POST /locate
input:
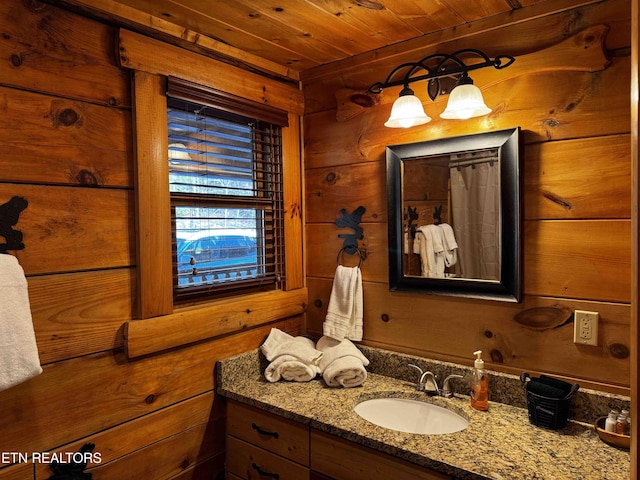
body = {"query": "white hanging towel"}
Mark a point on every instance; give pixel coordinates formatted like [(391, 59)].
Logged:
[(429, 245), (19, 359), (450, 245), (345, 310)]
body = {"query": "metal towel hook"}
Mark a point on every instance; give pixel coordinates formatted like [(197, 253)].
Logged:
[(357, 250)]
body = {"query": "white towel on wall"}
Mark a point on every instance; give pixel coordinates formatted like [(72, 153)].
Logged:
[(19, 360), (345, 310), (342, 364)]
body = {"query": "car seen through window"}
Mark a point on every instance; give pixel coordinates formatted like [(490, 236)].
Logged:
[(211, 258)]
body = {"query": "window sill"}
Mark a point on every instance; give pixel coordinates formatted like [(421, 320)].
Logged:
[(189, 325)]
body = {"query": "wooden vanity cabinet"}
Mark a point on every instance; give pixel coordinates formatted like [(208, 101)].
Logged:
[(344, 460), (261, 445)]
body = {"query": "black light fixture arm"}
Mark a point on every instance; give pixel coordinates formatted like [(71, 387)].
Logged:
[(449, 65)]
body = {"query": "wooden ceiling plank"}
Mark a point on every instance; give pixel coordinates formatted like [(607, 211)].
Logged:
[(311, 21), (239, 26), (382, 24), (471, 11), (427, 17)]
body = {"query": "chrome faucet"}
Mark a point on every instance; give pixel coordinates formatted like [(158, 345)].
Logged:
[(427, 383), (446, 390)]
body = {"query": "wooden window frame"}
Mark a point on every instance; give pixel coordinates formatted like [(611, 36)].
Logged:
[(235, 108), (165, 325)]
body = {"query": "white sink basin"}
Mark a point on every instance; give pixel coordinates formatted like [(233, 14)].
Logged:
[(411, 416)]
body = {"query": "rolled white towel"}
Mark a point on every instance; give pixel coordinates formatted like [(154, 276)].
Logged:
[(291, 369), (292, 358), (281, 343), (342, 364), (346, 371)]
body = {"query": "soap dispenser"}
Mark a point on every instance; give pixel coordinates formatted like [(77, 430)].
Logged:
[(479, 384)]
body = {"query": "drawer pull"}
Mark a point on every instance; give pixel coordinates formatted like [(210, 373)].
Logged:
[(262, 473), (264, 432)]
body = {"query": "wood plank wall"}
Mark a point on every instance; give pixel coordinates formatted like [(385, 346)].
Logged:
[(66, 145), (576, 184)]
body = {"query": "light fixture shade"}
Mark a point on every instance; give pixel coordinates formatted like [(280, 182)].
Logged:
[(465, 101), (407, 111)]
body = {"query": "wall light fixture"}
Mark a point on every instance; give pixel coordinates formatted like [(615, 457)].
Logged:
[(465, 100)]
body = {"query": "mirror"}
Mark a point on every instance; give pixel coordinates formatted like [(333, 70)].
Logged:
[(454, 213)]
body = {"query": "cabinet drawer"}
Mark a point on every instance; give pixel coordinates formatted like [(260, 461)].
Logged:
[(343, 460), (276, 434), (253, 463)]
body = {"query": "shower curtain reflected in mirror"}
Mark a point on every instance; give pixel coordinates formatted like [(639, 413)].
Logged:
[(475, 203)]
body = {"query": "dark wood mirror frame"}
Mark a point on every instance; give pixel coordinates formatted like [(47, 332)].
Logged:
[(509, 287)]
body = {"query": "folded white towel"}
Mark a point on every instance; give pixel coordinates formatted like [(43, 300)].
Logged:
[(450, 245), (19, 359), (291, 369), (342, 364), (281, 343), (292, 358), (345, 310)]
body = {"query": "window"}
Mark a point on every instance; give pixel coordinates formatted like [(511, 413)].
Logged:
[(225, 181)]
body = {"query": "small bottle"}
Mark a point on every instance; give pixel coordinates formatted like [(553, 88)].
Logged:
[(479, 384), (621, 422), (610, 422)]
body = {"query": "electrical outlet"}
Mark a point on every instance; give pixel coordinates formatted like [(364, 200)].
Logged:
[(585, 327)]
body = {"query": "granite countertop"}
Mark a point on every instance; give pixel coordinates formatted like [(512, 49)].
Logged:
[(500, 444)]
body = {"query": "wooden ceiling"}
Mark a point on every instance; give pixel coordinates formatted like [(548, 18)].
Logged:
[(303, 34)]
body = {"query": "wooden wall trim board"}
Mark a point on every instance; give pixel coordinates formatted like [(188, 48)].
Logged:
[(293, 217), (189, 325), (634, 93), (153, 203), (172, 33), (133, 53)]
